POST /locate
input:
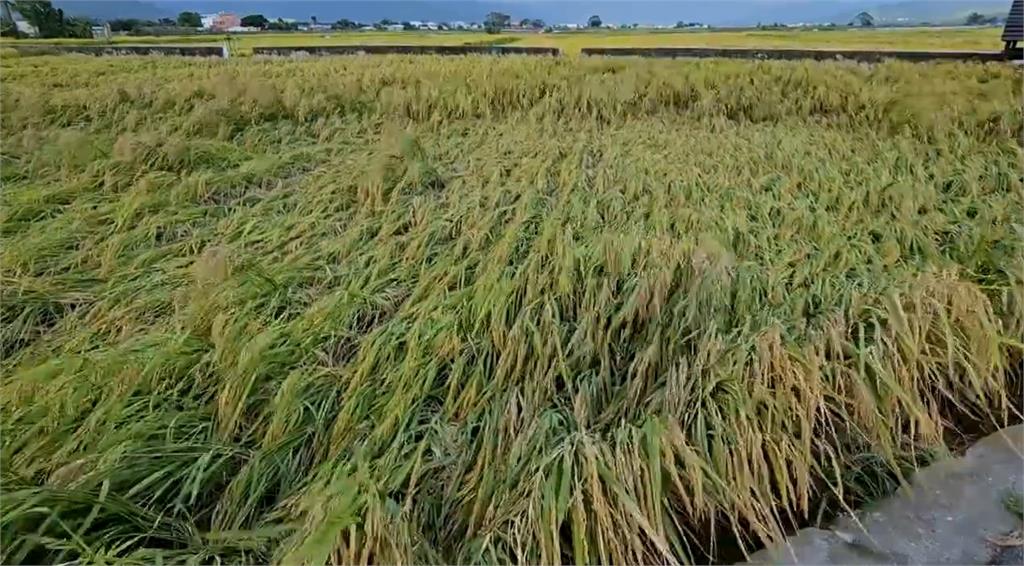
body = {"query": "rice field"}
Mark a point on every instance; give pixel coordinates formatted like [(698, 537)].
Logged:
[(924, 39), (491, 310)]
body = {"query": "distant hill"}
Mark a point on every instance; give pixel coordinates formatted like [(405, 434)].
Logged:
[(719, 13)]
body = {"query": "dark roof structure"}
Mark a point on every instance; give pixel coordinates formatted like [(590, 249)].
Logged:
[(1014, 30)]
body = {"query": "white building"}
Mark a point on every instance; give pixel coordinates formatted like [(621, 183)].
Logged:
[(100, 32), (26, 28)]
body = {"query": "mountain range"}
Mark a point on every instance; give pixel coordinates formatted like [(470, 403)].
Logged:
[(717, 13)]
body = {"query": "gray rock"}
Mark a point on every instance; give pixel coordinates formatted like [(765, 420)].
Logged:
[(1008, 555), (944, 517)]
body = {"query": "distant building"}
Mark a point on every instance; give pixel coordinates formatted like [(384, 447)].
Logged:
[(221, 21), (101, 32), (423, 25), (25, 28), (394, 27)]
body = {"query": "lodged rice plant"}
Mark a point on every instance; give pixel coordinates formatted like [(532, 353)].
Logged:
[(480, 310)]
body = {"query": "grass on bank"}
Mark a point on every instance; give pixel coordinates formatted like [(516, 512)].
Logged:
[(490, 310)]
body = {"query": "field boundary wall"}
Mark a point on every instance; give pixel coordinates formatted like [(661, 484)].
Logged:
[(115, 50)]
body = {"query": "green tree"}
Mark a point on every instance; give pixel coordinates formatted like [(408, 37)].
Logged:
[(976, 19), (496, 21), (190, 20), (281, 25), (537, 24), (7, 27), (864, 20), (125, 25), (594, 21), (345, 23), (255, 21), (49, 21), (80, 28)]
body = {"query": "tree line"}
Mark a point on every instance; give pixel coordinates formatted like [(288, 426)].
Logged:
[(495, 22), (49, 21)]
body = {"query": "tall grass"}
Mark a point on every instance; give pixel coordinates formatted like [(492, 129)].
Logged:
[(421, 310)]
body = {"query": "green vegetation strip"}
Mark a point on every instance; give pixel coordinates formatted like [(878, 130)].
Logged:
[(866, 56), (482, 310)]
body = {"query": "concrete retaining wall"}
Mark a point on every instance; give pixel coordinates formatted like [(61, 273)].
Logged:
[(865, 56), (115, 50), (793, 54), (949, 514), (405, 50)]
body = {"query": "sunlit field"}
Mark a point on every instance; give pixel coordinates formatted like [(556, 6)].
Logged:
[(491, 310), (981, 39)]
